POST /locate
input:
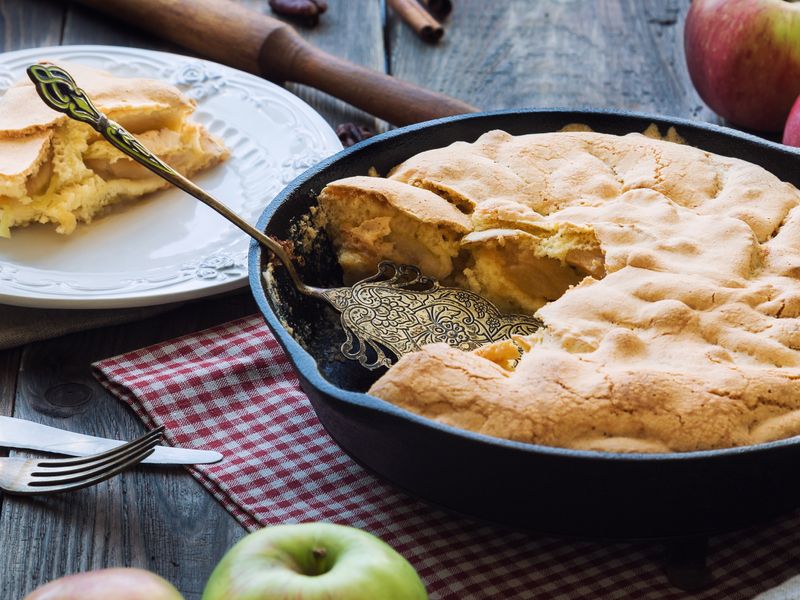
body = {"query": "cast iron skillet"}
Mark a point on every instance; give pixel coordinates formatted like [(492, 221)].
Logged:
[(525, 486)]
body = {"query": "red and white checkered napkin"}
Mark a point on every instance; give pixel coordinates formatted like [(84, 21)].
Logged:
[(232, 389)]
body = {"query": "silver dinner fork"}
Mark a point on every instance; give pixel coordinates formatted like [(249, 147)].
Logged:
[(28, 476)]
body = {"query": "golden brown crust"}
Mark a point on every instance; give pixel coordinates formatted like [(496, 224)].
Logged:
[(422, 205), (22, 112), (19, 158), (690, 337)]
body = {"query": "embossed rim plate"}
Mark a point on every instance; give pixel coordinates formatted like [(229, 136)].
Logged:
[(168, 247)]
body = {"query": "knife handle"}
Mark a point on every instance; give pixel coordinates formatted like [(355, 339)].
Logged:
[(229, 33)]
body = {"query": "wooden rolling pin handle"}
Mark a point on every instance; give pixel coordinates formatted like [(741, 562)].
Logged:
[(229, 33), (394, 100)]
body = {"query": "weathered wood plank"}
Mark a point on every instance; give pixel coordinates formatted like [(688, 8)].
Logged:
[(156, 518), (83, 26), (9, 367), (27, 24), (23, 24), (350, 29), (624, 54)]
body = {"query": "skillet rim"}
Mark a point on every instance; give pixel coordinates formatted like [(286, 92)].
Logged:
[(307, 367)]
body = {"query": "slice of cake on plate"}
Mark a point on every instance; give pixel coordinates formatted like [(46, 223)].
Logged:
[(56, 170)]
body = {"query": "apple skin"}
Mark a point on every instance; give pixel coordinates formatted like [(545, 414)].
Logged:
[(313, 561), (120, 584), (744, 59), (791, 132)]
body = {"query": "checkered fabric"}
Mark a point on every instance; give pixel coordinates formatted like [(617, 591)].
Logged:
[(232, 389)]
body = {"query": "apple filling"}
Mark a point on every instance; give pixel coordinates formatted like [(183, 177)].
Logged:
[(519, 273), (518, 262), (75, 180), (371, 219)]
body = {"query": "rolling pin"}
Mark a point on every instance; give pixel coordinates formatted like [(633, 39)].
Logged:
[(231, 34)]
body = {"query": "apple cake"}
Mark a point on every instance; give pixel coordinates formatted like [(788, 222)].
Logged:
[(56, 170), (667, 278)]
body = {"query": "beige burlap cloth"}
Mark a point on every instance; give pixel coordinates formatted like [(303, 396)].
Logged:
[(23, 325)]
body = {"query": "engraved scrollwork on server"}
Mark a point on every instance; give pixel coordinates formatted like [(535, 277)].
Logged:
[(407, 311)]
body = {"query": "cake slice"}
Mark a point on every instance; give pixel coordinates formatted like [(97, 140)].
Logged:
[(371, 219), (56, 170), (520, 260)]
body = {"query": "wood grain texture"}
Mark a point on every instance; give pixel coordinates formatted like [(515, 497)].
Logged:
[(614, 53), (624, 54), (9, 367), (84, 26), (23, 23), (31, 23), (227, 32), (157, 518), (352, 30)]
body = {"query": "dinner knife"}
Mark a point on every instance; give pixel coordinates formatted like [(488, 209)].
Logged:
[(19, 433)]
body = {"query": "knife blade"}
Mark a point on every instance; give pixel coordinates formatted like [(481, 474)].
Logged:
[(19, 433)]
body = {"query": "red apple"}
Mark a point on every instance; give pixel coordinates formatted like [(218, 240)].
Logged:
[(744, 58), (791, 131), (120, 584)]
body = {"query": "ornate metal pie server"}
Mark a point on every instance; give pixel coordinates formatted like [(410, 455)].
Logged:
[(392, 313)]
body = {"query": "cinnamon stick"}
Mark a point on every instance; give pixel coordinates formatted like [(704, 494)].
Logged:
[(420, 20)]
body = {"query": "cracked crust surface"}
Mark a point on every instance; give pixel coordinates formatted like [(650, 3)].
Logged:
[(678, 325)]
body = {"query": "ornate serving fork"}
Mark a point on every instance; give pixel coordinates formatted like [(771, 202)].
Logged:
[(392, 313), (28, 476)]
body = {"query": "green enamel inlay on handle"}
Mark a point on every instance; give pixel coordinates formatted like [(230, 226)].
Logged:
[(59, 91)]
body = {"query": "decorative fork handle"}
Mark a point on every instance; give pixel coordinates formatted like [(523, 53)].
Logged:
[(58, 90)]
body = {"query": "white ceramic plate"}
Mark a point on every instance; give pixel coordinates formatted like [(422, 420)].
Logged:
[(168, 246)]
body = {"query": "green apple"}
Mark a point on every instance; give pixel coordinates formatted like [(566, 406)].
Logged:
[(120, 584), (313, 561)]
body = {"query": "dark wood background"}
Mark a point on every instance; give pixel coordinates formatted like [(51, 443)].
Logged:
[(510, 53)]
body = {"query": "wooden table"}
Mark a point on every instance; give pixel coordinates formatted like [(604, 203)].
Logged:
[(515, 53)]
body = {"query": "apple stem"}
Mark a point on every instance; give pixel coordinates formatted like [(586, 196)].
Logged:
[(318, 566)]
